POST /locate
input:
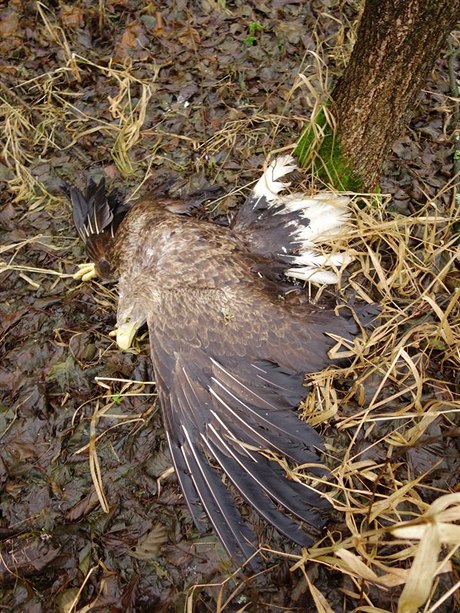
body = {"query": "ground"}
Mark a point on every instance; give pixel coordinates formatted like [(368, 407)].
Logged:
[(91, 517)]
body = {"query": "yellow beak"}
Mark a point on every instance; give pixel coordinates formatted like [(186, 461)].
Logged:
[(125, 335)]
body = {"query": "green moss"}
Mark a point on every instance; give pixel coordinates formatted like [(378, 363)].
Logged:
[(319, 149)]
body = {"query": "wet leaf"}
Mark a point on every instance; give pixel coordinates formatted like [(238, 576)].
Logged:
[(72, 16), (9, 21), (150, 545)]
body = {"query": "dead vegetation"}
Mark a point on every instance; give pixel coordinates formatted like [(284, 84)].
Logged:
[(390, 419)]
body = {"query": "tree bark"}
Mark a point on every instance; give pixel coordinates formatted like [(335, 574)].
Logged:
[(398, 42)]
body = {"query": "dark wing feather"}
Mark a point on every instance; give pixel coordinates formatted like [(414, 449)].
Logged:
[(263, 415), (200, 482), (268, 229), (253, 485), (91, 211), (221, 412)]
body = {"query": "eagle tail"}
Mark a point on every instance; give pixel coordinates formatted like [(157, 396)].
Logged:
[(291, 229)]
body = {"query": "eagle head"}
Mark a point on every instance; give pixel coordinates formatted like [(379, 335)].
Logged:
[(131, 315)]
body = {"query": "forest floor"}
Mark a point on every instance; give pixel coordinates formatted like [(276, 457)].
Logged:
[(91, 517)]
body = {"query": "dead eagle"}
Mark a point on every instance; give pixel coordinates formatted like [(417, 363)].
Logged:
[(229, 348)]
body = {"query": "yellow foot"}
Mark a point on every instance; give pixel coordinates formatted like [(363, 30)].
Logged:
[(86, 272)]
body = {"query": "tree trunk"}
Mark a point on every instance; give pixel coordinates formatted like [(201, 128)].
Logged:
[(398, 42)]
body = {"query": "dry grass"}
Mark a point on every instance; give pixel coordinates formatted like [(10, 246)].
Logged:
[(399, 386), (400, 382)]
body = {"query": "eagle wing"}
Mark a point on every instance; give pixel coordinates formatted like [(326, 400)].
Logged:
[(228, 387), (96, 215)]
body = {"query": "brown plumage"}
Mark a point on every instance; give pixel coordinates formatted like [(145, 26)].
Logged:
[(230, 347)]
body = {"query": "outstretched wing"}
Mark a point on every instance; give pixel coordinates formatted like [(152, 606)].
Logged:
[(228, 398)]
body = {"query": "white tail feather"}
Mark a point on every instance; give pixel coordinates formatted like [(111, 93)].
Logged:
[(311, 266), (317, 276), (326, 218), (320, 217), (268, 185)]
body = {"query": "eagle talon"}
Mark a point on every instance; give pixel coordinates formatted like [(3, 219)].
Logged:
[(86, 272)]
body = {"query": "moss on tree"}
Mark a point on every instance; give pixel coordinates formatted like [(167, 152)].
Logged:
[(320, 150)]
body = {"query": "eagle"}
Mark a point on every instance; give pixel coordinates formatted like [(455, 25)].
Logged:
[(232, 337)]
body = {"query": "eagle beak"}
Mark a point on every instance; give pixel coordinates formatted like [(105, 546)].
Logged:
[(125, 334)]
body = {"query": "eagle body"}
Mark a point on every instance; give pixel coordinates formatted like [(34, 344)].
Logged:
[(230, 341)]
